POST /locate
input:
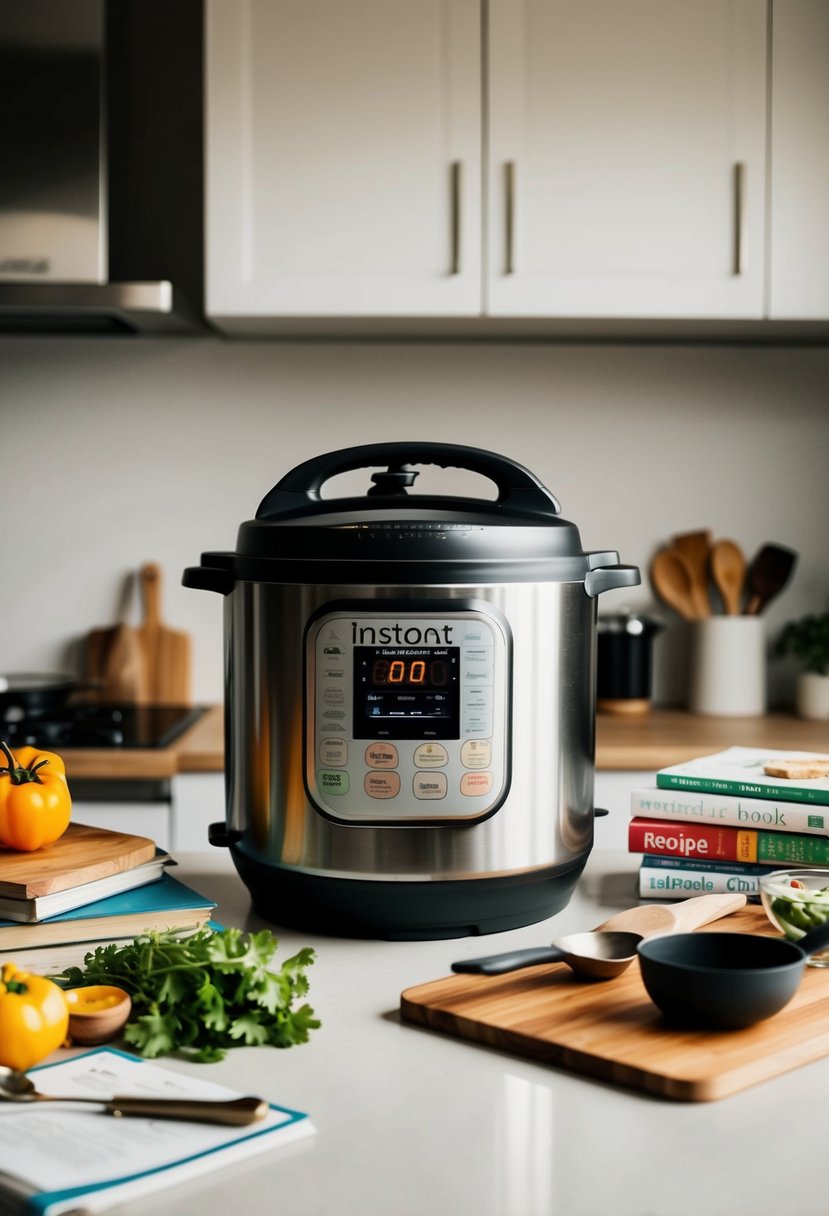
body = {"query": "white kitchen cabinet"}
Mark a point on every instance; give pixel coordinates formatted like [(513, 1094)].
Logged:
[(343, 158), (152, 819), (626, 169), (198, 799), (799, 230)]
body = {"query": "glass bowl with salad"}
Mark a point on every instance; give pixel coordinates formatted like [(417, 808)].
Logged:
[(796, 901)]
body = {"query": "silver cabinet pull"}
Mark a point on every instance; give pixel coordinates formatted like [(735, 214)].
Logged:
[(509, 217), (455, 191), (739, 199)]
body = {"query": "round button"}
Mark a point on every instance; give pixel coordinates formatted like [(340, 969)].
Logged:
[(429, 785), (381, 755), (475, 784), (476, 753), (382, 785), (431, 755), (335, 783)]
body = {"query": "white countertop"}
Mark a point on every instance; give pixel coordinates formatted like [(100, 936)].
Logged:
[(413, 1123)]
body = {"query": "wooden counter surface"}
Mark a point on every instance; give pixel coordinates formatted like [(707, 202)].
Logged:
[(644, 741)]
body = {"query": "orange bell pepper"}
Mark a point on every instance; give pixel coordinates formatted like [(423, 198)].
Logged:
[(34, 1017), (35, 803)]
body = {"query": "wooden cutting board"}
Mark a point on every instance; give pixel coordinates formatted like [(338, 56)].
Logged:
[(81, 855), (114, 666), (167, 652), (612, 1030)]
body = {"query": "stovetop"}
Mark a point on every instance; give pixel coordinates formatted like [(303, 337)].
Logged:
[(101, 726)]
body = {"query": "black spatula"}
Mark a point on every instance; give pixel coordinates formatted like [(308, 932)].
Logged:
[(767, 575)]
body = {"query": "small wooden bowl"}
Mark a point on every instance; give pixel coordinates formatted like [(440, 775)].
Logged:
[(96, 1013)]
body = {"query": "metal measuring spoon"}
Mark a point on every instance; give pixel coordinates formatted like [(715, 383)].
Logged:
[(599, 955), (17, 1087)]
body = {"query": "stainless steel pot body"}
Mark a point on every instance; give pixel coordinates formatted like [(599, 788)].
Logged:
[(545, 818)]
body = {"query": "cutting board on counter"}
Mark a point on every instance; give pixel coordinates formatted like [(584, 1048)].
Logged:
[(114, 666), (82, 854), (612, 1031), (167, 658)]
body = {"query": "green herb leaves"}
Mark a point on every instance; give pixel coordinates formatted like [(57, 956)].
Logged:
[(204, 992)]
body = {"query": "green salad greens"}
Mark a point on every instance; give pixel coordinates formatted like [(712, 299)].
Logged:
[(203, 992), (797, 909)]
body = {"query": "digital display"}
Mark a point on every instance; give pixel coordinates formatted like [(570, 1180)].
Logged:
[(406, 692)]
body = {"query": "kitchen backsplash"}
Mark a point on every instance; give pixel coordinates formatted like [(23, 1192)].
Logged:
[(117, 451)]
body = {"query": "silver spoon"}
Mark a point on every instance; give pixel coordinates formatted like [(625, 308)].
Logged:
[(17, 1087), (598, 955)]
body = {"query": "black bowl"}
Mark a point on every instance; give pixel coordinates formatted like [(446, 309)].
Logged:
[(722, 980)]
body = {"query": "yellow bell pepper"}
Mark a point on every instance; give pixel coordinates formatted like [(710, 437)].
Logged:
[(34, 1018), (35, 804)]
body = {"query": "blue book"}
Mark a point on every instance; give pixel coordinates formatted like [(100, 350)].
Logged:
[(165, 904)]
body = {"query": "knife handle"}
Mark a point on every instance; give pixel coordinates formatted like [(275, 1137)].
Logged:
[(512, 960), (237, 1111)]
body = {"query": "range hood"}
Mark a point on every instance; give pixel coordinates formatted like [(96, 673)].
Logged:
[(100, 142)]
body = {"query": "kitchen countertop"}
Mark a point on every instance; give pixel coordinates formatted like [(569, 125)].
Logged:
[(637, 742), (411, 1121)]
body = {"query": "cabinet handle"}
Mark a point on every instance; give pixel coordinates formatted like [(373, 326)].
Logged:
[(739, 199), (455, 189), (509, 217)]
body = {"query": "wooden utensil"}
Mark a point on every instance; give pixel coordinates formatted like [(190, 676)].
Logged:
[(695, 547), (673, 582), (614, 1031), (767, 576), (610, 948), (167, 652), (728, 570)]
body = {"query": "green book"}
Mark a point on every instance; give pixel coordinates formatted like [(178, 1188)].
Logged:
[(740, 770)]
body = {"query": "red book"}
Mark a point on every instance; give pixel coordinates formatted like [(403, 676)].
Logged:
[(669, 838)]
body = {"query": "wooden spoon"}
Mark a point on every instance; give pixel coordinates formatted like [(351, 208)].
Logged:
[(695, 547), (768, 575), (682, 917), (728, 570), (673, 582)]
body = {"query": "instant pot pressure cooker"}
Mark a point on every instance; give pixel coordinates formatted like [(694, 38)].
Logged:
[(410, 698)]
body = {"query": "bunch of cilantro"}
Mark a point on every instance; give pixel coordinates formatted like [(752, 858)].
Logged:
[(203, 992)]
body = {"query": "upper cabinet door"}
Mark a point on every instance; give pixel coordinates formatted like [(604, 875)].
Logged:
[(626, 170), (800, 161), (343, 158)]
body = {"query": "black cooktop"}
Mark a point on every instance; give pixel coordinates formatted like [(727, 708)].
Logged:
[(104, 726)]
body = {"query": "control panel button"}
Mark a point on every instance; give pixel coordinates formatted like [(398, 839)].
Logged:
[(475, 784), (382, 785), (429, 785), (382, 755), (333, 696), (476, 753), (335, 783), (334, 753), (431, 755)]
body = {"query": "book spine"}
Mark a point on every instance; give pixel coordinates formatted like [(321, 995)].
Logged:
[(656, 882), (731, 810), (667, 838), (702, 866), (716, 785)]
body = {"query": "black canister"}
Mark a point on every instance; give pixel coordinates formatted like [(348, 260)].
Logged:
[(624, 663)]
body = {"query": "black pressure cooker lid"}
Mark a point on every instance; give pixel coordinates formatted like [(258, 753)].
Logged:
[(391, 535)]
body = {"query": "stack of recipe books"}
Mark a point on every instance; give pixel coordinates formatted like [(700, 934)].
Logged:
[(91, 885), (715, 824)]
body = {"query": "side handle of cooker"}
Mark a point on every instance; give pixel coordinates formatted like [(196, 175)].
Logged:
[(516, 484), (209, 577), (608, 578)]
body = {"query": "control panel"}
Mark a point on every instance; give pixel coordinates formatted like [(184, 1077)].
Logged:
[(407, 715)]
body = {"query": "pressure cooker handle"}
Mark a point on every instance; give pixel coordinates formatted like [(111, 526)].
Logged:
[(518, 488)]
